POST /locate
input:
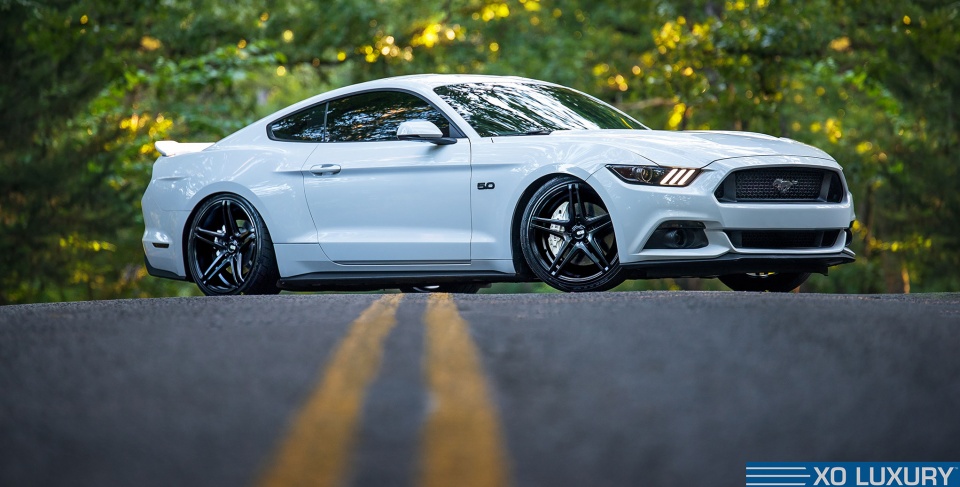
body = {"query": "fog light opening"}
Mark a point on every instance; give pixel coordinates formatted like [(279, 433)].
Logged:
[(676, 239), (678, 235)]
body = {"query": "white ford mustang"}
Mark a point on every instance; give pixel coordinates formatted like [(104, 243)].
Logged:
[(443, 182)]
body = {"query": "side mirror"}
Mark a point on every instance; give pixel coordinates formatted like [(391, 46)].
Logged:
[(423, 131)]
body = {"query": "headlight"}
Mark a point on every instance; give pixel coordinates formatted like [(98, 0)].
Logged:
[(655, 175)]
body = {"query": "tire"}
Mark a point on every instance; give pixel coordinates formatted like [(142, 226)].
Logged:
[(567, 239), (229, 250), (443, 288), (777, 282)]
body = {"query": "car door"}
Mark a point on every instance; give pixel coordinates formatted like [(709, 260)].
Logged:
[(379, 200)]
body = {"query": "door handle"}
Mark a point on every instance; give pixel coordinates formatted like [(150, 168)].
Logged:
[(325, 169)]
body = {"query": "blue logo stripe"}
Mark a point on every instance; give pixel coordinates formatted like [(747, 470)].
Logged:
[(777, 475)]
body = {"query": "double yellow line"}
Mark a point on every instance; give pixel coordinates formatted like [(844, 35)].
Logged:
[(461, 440)]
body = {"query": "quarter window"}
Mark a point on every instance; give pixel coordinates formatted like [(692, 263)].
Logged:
[(305, 125)]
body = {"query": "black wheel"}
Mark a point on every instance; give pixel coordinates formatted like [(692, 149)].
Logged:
[(777, 282), (229, 249), (443, 288), (566, 236)]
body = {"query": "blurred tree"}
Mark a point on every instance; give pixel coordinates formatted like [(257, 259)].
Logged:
[(89, 87)]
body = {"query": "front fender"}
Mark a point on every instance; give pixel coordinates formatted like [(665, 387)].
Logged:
[(513, 164)]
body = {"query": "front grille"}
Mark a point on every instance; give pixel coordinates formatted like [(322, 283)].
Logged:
[(783, 239), (762, 184), (780, 184)]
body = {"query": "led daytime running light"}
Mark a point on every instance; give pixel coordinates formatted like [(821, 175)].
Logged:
[(655, 175)]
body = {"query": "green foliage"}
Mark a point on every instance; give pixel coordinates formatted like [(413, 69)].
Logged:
[(89, 87)]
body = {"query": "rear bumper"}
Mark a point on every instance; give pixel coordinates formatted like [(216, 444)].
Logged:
[(738, 264), (162, 237), (153, 271)]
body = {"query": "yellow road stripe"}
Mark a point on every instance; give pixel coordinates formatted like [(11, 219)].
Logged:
[(462, 442), (320, 442)]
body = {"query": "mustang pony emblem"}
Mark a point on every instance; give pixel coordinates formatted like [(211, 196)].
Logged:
[(783, 185)]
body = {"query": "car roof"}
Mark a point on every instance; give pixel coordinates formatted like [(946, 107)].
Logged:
[(435, 80), (418, 83)]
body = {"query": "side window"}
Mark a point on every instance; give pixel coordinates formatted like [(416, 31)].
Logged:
[(305, 125), (376, 116)]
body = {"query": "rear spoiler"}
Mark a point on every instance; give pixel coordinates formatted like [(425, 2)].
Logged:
[(173, 148)]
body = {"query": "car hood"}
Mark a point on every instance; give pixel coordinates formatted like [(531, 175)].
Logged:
[(694, 149)]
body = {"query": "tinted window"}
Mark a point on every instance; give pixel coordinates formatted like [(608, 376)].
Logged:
[(376, 116), (306, 125), (494, 109)]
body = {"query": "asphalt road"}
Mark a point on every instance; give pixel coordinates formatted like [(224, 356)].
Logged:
[(652, 388)]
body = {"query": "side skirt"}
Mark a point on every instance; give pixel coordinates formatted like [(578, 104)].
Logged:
[(372, 281)]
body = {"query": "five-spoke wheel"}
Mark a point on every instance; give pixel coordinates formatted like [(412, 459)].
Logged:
[(229, 249), (567, 238)]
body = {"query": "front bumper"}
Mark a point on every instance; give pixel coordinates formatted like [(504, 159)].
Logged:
[(638, 210)]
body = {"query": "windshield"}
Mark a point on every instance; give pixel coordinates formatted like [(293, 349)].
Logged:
[(494, 109)]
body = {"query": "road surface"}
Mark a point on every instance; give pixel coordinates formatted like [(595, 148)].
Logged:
[(598, 389)]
